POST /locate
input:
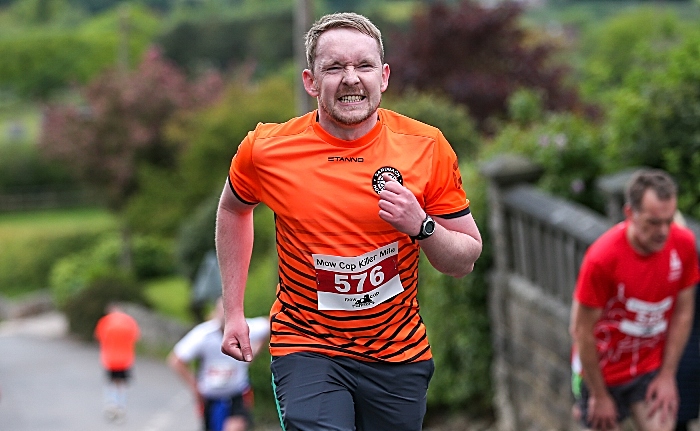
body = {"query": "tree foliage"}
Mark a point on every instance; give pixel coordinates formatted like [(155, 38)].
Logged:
[(478, 56), (656, 121), (40, 60), (208, 139), (456, 317), (41, 12), (452, 119), (636, 40), (40, 63), (264, 40), (120, 125), (568, 147)]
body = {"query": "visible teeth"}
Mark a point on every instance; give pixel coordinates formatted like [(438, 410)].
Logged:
[(349, 99)]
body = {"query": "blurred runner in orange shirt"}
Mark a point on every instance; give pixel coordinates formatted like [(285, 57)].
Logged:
[(117, 333)]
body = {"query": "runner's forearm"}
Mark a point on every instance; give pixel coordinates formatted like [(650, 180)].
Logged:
[(452, 253), (679, 331), (234, 245), (455, 246)]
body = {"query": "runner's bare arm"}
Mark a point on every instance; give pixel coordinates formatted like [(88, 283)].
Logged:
[(602, 412), (455, 246), (679, 330), (456, 243), (234, 245), (184, 371), (663, 392)]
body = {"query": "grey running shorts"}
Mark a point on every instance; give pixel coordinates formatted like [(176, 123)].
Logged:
[(624, 395), (320, 392)]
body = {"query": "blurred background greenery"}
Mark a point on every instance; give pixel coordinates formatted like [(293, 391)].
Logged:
[(118, 120)]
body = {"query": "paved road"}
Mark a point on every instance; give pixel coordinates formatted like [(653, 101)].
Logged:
[(50, 382)]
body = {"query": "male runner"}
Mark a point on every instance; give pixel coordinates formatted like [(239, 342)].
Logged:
[(633, 309), (220, 384), (357, 192), (117, 334)]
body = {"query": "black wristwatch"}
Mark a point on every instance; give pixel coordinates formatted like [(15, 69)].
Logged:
[(427, 228)]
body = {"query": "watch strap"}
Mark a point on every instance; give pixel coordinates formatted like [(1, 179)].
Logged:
[(422, 234)]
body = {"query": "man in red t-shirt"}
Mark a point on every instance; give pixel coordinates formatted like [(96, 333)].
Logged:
[(117, 333), (633, 309)]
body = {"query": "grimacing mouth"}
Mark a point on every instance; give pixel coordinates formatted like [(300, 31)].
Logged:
[(351, 98)]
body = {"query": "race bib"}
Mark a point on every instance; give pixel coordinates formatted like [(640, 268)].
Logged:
[(649, 317), (218, 375), (359, 282)]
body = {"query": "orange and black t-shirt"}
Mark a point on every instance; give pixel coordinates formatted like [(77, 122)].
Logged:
[(347, 279)]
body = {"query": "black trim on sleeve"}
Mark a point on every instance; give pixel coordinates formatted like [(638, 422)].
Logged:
[(455, 215), (228, 179)]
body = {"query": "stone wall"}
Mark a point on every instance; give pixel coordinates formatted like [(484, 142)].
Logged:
[(539, 241)]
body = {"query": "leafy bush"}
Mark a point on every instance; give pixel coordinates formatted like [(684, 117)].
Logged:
[(660, 127), (479, 55), (84, 309), (452, 119), (210, 138), (158, 207), (22, 168), (635, 39), (121, 124), (196, 237), (456, 316), (72, 274), (26, 260), (569, 148), (525, 107), (151, 257)]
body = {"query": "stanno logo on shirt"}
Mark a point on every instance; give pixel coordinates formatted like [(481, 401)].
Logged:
[(346, 159), (378, 182)]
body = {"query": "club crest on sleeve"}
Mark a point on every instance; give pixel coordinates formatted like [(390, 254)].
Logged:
[(378, 179)]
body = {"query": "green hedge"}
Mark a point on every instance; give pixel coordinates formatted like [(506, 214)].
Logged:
[(455, 312), (33, 241), (85, 309), (151, 257), (22, 168)]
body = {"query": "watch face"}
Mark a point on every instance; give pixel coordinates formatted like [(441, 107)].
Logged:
[(429, 227)]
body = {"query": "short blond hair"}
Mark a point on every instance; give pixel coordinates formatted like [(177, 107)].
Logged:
[(340, 20)]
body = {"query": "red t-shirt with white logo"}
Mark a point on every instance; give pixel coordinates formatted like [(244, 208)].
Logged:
[(637, 294)]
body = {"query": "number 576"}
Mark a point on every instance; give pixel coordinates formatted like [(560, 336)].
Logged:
[(342, 281)]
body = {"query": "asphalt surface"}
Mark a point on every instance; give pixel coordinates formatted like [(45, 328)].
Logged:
[(51, 382)]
